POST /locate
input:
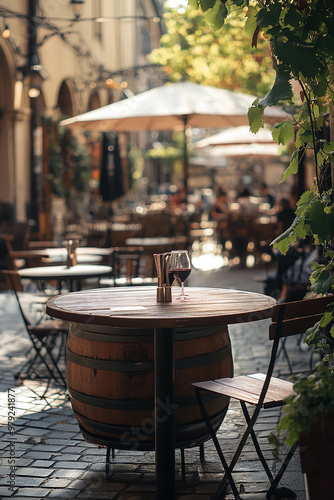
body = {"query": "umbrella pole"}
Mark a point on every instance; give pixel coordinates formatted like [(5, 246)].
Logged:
[(185, 156), (185, 177)]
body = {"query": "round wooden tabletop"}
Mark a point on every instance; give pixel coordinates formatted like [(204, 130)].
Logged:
[(136, 307)]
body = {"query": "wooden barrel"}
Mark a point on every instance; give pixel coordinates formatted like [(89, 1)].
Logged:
[(110, 378)]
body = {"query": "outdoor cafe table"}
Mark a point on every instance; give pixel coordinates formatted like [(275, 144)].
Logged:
[(137, 308), (61, 253), (72, 274)]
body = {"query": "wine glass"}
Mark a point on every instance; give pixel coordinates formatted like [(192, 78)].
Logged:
[(180, 268)]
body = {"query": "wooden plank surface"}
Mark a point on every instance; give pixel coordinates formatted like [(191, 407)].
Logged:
[(136, 307)]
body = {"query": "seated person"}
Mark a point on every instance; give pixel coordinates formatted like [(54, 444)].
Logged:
[(219, 212), (266, 195)]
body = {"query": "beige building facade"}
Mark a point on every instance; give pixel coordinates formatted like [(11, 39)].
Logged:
[(52, 62)]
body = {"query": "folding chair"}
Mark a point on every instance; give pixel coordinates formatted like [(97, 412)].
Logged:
[(47, 336), (126, 268), (262, 390)]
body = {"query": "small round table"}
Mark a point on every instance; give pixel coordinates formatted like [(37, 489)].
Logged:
[(135, 308), (72, 274)]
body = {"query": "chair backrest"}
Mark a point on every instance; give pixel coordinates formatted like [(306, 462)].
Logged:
[(13, 280), (298, 316), (291, 318), (6, 249), (126, 259)]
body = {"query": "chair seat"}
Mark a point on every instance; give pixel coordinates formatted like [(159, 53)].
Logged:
[(248, 388), (49, 326)]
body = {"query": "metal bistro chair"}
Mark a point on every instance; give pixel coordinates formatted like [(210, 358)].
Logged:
[(262, 390), (47, 336)]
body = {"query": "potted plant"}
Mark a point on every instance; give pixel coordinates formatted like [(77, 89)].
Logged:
[(301, 38)]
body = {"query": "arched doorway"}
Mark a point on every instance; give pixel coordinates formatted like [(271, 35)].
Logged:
[(65, 101), (94, 101), (7, 115)]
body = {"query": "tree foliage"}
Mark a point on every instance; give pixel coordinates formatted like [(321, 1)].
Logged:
[(190, 50)]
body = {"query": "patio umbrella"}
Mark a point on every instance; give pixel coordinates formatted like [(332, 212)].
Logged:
[(237, 135), (171, 107), (264, 150)]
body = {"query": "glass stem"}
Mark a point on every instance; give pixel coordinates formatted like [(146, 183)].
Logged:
[(182, 289)]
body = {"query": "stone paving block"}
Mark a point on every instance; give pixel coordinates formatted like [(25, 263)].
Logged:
[(6, 493), (98, 481), (33, 492), (56, 483), (33, 431), (7, 454), (19, 462), (17, 497), (40, 424), (79, 484), (64, 428), (34, 471), (98, 466), (91, 495), (129, 477), (70, 465), (61, 442), (70, 457), (70, 473), (24, 481), (58, 494), (38, 455), (42, 463), (96, 450), (48, 448)]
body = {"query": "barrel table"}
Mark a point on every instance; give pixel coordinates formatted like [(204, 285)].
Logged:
[(131, 360)]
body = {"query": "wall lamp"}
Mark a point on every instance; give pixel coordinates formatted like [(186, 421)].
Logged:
[(36, 74), (77, 6)]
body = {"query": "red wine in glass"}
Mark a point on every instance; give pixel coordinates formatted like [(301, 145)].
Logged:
[(181, 274), (180, 268)]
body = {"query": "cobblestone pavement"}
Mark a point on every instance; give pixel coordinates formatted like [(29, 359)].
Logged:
[(48, 458)]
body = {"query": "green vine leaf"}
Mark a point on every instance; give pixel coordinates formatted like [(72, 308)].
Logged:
[(298, 229), (320, 87), (283, 132), (321, 223), (292, 17), (255, 116), (328, 147), (281, 90), (215, 13), (216, 17), (293, 167), (207, 4), (269, 17), (194, 4), (326, 319), (304, 202), (303, 137), (321, 282), (301, 57), (251, 22)]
